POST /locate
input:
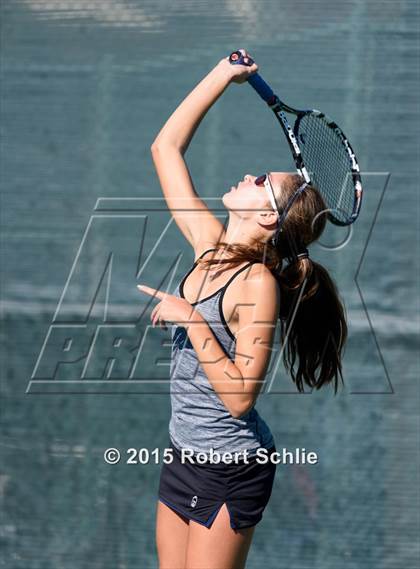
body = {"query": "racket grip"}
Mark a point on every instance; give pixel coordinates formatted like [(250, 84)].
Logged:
[(262, 88), (256, 81)]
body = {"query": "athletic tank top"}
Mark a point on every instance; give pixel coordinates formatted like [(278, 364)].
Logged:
[(199, 419)]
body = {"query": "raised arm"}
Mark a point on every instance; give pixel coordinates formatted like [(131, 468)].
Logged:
[(191, 214)]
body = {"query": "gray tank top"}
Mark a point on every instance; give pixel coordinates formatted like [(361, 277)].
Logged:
[(199, 420)]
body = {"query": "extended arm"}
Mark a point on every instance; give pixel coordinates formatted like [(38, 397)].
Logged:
[(191, 214)]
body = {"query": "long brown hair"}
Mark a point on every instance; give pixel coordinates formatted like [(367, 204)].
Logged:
[(312, 315)]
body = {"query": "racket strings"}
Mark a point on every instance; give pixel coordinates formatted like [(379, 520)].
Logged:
[(328, 163)]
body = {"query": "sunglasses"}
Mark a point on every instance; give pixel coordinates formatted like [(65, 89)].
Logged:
[(264, 180)]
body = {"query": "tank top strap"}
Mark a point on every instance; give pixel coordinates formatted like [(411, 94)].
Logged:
[(187, 274), (202, 255), (232, 277), (221, 297)]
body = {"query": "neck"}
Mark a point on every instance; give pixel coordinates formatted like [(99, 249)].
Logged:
[(238, 231)]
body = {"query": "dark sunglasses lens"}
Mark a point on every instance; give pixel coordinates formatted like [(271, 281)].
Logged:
[(260, 180)]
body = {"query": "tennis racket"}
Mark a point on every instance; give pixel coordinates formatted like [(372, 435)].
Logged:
[(321, 151)]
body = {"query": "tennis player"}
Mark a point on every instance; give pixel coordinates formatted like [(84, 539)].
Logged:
[(223, 316)]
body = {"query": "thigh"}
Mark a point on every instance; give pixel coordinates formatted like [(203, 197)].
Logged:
[(171, 537), (219, 546)]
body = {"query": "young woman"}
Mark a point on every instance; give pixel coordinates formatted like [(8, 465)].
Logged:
[(223, 317)]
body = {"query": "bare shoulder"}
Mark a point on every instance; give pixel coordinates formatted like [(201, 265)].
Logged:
[(261, 283), (260, 275)]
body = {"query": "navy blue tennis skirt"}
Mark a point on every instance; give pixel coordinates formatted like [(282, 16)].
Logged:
[(198, 491)]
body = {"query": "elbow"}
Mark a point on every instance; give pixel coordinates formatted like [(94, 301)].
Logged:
[(240, 410), (159, 146), (154, 148)]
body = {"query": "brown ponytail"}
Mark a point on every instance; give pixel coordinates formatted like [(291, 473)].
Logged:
[(313, 325)]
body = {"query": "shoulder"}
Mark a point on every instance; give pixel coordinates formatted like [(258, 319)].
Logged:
[(261, 276), (259, 297), (261, 283)]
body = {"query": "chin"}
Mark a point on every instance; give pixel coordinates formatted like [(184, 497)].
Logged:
[(230, 192), (226, 198)]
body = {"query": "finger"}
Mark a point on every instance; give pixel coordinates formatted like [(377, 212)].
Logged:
[(152, 291), (155, 315), (160, 322), (152, 314), (246, 55)]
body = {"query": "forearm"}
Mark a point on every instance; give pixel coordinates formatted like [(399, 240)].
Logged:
[(222, 373), (182, 124)]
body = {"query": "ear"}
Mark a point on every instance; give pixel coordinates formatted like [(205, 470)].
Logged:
[(267, 219)]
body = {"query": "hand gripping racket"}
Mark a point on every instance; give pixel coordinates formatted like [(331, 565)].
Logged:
[(320, 149)]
